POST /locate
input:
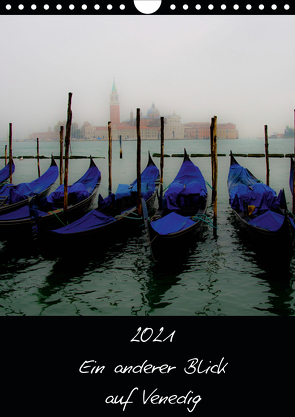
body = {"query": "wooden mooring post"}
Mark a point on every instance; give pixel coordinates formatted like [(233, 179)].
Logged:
[(162, 162), (121, 154), (38, 160), (214, 165), (266, 154), (5, 154), (293, 195), (110, 156), (67, 147), (139, 206), (61, 144), (10, 153)]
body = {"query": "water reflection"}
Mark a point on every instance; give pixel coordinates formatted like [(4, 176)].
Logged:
[(274, 272)]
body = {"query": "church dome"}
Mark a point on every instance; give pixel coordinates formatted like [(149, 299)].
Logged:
[(153, 112)]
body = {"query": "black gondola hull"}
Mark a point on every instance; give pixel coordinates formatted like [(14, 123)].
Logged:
[(277, 242), (4, 209), (265, 241), (96, 239), (163, 247), (22, 229)]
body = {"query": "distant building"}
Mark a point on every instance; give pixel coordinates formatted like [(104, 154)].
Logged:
[(114, 106), (44, 136), (202, 131), (150, 126)]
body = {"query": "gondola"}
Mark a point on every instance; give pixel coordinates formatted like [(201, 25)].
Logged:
[(49, 211), (13, 197), (181, 213), (260, 212), (114, 216), (4, 173)]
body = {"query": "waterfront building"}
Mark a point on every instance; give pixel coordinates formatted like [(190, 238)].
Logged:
[(150, 126)]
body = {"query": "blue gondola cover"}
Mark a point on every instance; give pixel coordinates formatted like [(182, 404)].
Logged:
[(188, 182), (4, 172), (148, 181), (77, 192), (269, 220), (16, 193), (171, 223), (91, 220), (246, 190)]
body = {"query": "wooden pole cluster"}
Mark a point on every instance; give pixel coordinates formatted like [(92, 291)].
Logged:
[(121, 155), (67, 146), (266, 154), (61, 140), (293, 196), (110, 156), (10, 153), (162, 161), (139, 207), (38, 161), (214, 166)]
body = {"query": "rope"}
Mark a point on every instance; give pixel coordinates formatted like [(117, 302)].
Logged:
[(105, 188), (127, 213), (206, 220), (208, 185), (52, 212)]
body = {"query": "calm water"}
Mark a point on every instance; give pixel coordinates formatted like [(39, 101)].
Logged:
[(221, 276)]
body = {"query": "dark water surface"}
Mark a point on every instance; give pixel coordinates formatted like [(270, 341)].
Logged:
[(217, 276)]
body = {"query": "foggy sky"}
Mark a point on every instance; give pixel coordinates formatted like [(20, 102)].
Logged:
[(239, 68)]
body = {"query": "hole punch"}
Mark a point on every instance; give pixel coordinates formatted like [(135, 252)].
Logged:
[(147, 6)]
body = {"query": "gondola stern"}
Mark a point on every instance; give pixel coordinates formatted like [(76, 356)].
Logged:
[(233, 161), (186, 157), (150, 160), (146, 230), (53, 162)]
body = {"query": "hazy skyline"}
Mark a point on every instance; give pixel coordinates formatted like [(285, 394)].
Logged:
[(239, 68)]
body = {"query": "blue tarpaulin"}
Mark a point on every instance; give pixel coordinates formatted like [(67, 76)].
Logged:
[(90, 221), (187, 191), (16, 193), (40, 207), (171, 223), (269, 220), (19, 214), (4, 172), (188, 182), (95, 219), (77, 192), (246, 190), (148, 181)]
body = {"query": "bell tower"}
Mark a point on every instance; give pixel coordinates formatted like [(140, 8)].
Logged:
[(114, 105)]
